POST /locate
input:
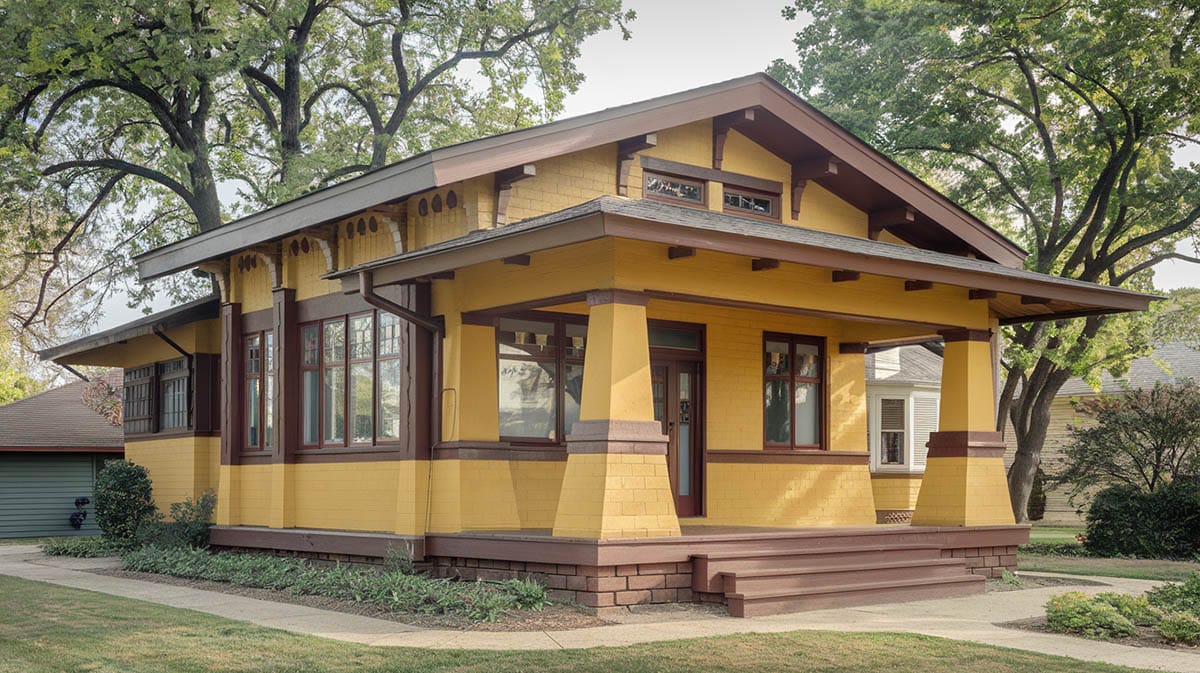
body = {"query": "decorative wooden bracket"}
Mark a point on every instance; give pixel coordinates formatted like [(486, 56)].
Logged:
[(504, 183), (1025, 299), (721, 127), (852, 347), (517, 260), (626, 150), (396, 220), (272, 256), (917, 285), (803, 171), (220, 271), (841, 276), (881, 220), (327, 239), (981, 294), (680, 251), (763, 263)]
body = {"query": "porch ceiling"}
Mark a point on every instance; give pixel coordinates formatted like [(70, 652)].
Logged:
[(1015, 295)]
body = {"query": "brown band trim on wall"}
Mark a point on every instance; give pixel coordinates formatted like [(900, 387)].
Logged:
[(713, 174), (966, 444), (317, 541), (601, 297), (168, 434), (897, 475), (852, 348), (952, 335), (788, 457), (350, 455), (479, 319), (258, 321)]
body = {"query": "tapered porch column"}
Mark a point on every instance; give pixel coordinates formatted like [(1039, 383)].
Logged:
[(964, 483), (616, 483)]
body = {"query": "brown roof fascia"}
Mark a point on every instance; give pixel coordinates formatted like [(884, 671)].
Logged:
[(62, 449)]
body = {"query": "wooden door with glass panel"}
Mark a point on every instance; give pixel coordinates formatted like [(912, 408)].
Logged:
[(676, 385)]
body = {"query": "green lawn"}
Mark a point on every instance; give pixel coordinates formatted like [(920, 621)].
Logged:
[(1054, 533), (1138, 569), (46, 628)]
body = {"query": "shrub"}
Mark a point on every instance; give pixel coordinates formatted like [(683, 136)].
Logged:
[(1126, 521), (1180, 628), (1075, 612), (123, 500), (188, 526), (1176, 597), (1136, 609), (395, 590), (1054, 549), (83, 547)]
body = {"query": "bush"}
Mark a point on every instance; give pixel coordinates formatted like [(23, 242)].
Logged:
[(1175, 597), (1180, 628), (123, 500), (1126, 521), (1136, 609), (1054, 549), (188, 526), (1075, 612), (395, 590), (83, 547)]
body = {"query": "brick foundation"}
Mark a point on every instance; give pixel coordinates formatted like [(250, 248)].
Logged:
[(594, 587), (986, 561)]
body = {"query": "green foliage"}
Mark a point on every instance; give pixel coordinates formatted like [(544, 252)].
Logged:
[(399, 560), (1077, 613), (1177, 597), (1054, 549), (1136, 609), (187, 526), (1181, 628), (1127, 521), (393, 589), (1143, 437), (123, 500), (1011, 578), (83, 547)]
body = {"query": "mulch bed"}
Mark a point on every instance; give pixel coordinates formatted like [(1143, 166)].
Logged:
[(1146, 636), (556, 617), (1040, 581)]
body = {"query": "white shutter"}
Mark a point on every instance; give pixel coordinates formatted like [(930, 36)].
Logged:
[(925, 421)]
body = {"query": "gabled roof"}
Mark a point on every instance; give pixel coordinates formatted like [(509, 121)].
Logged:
[(918, 365), (1170, 361), (786, 124), (193, 311), (57, 420), (670, 224)]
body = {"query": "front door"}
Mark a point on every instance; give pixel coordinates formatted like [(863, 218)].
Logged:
[(676, 406)]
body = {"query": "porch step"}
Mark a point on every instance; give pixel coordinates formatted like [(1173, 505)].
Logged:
[(755, 581), (708, 568), (773, 602)]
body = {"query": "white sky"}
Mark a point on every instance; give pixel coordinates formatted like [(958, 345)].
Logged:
[(678, 45)]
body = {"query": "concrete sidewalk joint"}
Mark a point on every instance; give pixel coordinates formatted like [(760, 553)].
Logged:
[(972, 618)]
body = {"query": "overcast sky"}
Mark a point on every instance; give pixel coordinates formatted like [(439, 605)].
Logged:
[(682, 44)]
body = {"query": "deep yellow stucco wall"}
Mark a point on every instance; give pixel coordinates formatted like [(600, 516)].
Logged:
[(899, 492), (765, 494), (180, 467)]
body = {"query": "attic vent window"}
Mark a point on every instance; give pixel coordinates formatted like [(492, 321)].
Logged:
[(673, 188), (753, 203)]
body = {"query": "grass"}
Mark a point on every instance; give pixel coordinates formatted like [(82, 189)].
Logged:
[(1138, 569), (1059, 534), (46, 628)]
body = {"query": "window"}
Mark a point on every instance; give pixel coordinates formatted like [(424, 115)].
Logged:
[(540, 377), (753, 203), (138, 408), (260, 391), (351, 381), (893, 419), (173, 405), (900, 422), (673, 188), (793, 390)]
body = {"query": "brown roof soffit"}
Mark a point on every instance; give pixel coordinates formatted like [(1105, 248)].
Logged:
[(606, 224), (486, 155), (63, 449), (206, 308)]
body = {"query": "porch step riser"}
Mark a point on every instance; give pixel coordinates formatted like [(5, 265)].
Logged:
[(706, 573), (758, 607), (933, 575)]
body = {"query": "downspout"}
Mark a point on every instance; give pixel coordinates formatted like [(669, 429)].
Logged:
[(436, 329)]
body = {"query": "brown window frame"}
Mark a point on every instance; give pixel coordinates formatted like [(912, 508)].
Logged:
[(266, 378), (346, 361), (560, 360), (140, 376), (655, 196), (822, 382), (166, 372), (775, 200)]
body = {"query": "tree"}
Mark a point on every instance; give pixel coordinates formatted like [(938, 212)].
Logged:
[(1145, 438), (1057, 121)]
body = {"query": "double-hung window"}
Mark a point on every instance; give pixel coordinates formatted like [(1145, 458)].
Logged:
[(793, 392), (541, 377), (158, 397), (259, 366), (173, 394)]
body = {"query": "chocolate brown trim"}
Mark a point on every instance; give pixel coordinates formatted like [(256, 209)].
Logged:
[(231, 386), (332, 305), (62, 449), (168, 434), (493, 312), (702, 173), (286, 359), (376, 545), (852, 348), (354, 454), (798, 457), (962, 334), (897, 475), (981, 294), (966, 444), (479, 319), (614, 296), (258, 321)]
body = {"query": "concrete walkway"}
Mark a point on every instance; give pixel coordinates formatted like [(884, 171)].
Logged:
[(969, 619)]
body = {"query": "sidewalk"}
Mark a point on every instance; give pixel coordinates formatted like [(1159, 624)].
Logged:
[(970, 619)]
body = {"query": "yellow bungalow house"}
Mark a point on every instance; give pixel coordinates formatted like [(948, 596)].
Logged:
[(622, 353)]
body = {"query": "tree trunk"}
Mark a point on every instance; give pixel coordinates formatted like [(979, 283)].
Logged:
[(206, 204)]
